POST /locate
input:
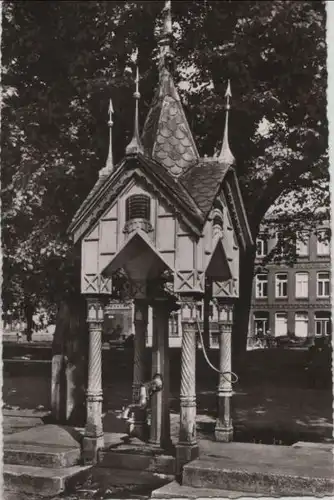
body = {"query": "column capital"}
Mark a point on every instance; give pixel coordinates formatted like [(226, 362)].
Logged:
[(95, 311), (189, 310), (224, 304)]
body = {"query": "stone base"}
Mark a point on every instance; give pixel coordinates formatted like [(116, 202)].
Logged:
[(224, 434), (176, 490), (90, 448), (185, 453), (266, 469), (39, 482)]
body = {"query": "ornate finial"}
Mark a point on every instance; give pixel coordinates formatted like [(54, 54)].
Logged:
[(110, 163), (226, 155), (135, 145), (166, 53), (168, 18)]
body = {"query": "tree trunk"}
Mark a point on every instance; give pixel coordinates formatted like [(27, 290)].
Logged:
[(29, 312), (70, 342), (242, 308)]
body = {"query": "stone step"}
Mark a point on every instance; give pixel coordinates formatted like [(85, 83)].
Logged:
[(266, 469), (38, 455), (176, 490), (161, 464), (41, 482)]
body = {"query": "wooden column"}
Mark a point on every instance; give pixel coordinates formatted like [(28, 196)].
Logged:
[(187, 447), (224, 427), (160, 418), (140, 324), (93, 438)]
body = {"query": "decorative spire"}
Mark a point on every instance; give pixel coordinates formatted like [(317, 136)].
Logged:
[(110, 162), (135, 145), (165, 41), (226, 155)]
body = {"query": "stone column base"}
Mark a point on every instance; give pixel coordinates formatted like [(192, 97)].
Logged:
[(165, 445), (224, 434), (90, 448), (185, 453)]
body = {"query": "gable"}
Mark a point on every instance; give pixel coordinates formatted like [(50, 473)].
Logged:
[(152, 177)]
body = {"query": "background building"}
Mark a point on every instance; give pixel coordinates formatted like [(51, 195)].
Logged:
[(292, 298)]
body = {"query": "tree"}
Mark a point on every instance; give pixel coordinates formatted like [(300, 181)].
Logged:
[(55, 111)]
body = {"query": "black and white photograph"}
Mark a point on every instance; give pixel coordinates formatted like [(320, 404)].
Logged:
[(166, 315)]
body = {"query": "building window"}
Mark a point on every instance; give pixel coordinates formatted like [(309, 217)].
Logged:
[(261, 286), (281, 285), (301, 285), (281, 324), (138, 206), (323, 323), (261, 324), (174, 324), (261, 246), (301, 324), (302, 244), (323, 284), (322, 243)]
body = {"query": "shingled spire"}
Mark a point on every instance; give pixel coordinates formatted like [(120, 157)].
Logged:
[(166, 135), (226, 155), (110, 162), (135, 146)]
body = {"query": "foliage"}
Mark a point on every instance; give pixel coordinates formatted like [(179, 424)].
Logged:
[(62, 61)]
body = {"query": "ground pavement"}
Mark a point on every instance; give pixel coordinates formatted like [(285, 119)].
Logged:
[(272, 404)]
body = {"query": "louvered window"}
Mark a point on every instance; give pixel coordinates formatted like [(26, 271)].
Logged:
[(138, 206)]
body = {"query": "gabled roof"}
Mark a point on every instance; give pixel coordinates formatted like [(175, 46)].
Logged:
[(152, 174), (204, 181), (166, 134)]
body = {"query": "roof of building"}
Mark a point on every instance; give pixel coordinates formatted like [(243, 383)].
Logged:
[(161, 182), (166, 159), (203, 182), (166, 136)]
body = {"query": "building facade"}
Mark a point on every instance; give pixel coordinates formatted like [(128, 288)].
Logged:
[(293, 298)]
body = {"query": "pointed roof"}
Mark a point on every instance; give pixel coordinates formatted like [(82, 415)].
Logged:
[(109, 167), (166, 160), (135, 145), (203, 182), (226, 155), (167, 137)]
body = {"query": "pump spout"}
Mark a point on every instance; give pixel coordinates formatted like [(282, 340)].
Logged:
[(146, 392)]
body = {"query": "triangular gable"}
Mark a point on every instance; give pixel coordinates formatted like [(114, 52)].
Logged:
[(138, 249), (157, 180), (218, 267)]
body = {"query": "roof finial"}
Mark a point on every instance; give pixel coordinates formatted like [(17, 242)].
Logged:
[(110, 162), (226, 155), (166, 35), (135, 145)]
